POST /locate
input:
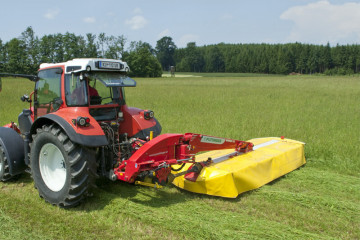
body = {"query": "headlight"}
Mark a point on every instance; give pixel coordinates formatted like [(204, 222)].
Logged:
[(148, 114), (83, 121)]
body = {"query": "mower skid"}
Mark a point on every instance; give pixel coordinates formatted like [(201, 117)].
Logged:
[(231, 174)]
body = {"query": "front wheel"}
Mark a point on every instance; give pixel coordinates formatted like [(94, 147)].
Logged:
[(63, 171)]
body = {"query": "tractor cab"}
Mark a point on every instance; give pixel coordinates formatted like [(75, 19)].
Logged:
[(92, 89), (81, 83)]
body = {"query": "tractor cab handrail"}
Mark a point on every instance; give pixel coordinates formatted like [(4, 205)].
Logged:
[(32, 78)]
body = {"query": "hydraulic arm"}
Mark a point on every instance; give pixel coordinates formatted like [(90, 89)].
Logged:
[(156, 157)]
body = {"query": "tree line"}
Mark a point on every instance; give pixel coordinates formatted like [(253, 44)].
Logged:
[(25, 53), (269, 58)]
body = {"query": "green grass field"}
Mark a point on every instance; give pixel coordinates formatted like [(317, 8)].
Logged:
[(319, 201)]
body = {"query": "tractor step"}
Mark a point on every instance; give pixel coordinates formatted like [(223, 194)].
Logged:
[(153, 185)]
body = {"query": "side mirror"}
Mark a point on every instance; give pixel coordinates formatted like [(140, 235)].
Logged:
[(25, 98)]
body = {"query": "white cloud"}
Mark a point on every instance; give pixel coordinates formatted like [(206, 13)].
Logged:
[(323, 22), (164, 33), (137, 11), (51, 13), (89, 20), (136, 22), (185, 39)]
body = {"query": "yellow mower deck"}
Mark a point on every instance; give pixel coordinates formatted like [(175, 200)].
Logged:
[(228, 177)]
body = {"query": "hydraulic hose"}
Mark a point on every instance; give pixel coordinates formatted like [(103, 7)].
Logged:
[(178, 169)]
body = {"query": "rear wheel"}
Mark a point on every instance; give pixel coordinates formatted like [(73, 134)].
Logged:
[(4, 167), (63, 171)]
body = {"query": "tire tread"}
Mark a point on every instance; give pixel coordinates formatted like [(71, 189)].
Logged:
[(82, 167)]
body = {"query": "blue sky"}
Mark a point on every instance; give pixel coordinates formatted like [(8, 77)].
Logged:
[(203, 21)]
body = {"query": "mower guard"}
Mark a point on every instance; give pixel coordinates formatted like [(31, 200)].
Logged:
[(230, 175)]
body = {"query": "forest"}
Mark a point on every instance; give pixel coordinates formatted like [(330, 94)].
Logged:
[(24, 54)]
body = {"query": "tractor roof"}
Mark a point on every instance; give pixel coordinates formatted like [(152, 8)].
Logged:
[(90, 64)]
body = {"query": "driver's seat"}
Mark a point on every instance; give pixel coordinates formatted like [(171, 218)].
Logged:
[(95, 100)]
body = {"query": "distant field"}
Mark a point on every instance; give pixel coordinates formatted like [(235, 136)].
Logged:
[(319, 201), (192, 74)]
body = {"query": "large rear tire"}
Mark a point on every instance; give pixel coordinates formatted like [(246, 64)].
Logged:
[(4, 167), (63, 171)]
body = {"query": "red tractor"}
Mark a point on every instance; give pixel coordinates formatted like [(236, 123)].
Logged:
[(78, 127)]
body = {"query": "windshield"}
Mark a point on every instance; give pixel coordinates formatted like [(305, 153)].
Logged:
[(96, 88), (112, 79)]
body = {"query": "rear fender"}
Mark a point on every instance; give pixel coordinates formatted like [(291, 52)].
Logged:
[(91, 136), (13, 146)]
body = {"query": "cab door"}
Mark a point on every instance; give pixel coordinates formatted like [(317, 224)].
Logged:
[(48, 91)]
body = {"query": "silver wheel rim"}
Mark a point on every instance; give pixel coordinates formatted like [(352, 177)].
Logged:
[(52, 167)]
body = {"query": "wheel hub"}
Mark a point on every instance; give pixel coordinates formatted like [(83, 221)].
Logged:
[(52, 167)]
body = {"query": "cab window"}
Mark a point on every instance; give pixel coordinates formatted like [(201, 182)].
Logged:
[(75, 90)]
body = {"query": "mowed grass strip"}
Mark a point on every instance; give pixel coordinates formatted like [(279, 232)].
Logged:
[(319, 201)]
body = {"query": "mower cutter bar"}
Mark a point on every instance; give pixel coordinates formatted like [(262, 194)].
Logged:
[(235, 153), (232, 173)]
